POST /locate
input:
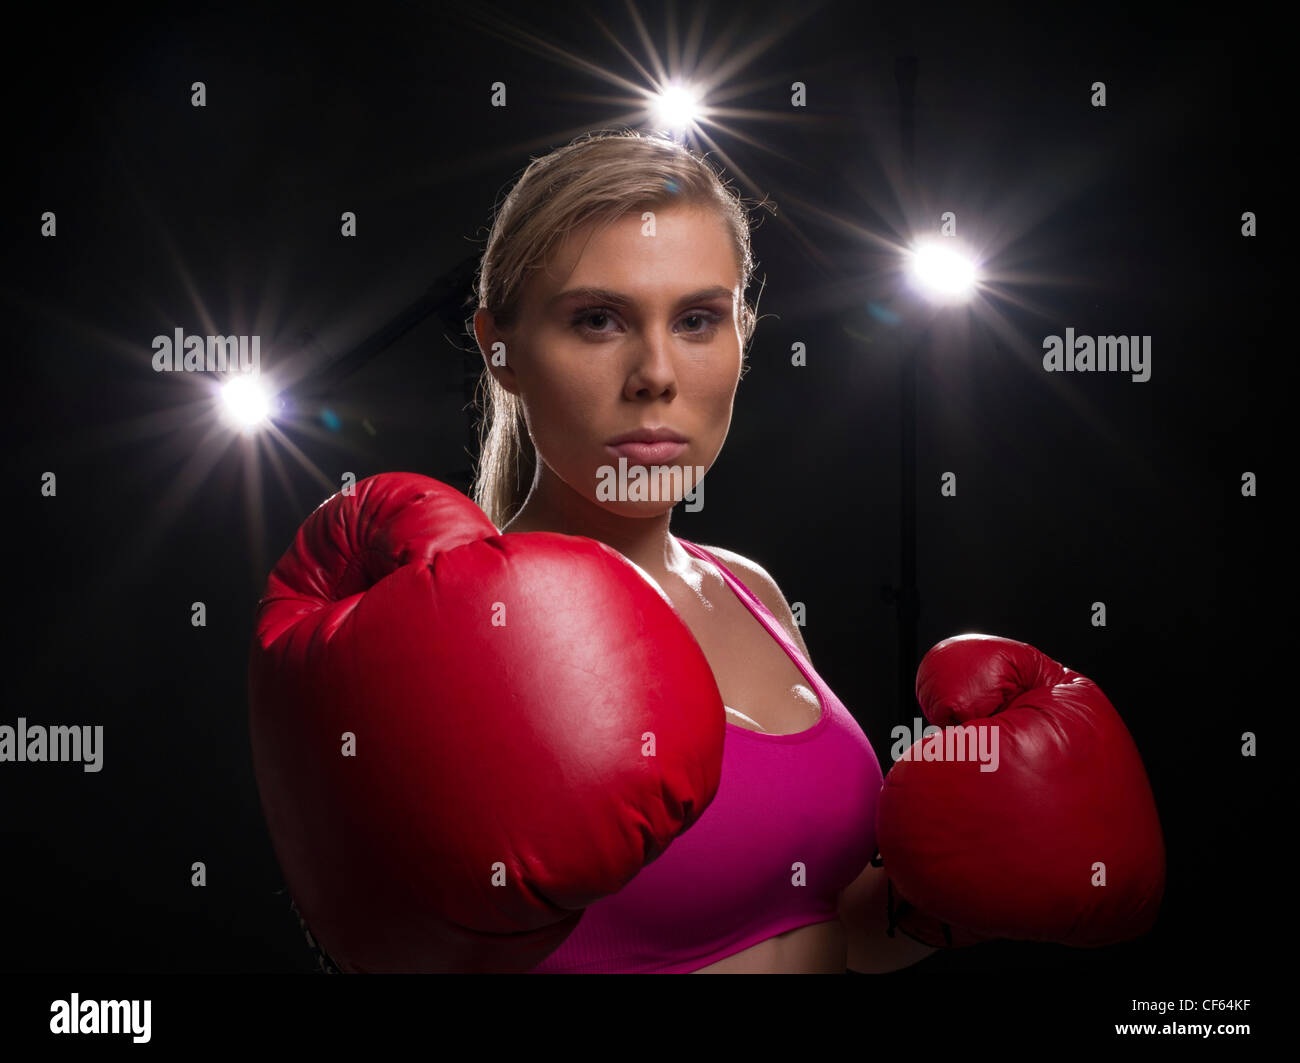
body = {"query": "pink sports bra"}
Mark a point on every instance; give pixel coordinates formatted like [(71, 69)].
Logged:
[(793, 823)]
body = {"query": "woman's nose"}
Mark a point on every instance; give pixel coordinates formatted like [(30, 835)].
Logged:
[(652, 374)]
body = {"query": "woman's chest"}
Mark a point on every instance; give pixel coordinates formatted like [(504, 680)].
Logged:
[(761, 686)]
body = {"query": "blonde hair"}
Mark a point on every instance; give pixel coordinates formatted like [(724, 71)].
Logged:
[(598, 178)]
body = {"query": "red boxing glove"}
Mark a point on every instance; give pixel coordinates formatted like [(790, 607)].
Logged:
[(1061, 842), (532, 721)]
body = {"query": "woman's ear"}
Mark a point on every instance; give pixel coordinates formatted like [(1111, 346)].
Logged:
[(493, 347)]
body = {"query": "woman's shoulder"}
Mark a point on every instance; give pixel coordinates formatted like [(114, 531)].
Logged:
[(760, 581), (744, 567)]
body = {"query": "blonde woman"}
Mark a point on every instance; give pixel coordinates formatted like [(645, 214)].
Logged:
[(629, 343), (576, 743)]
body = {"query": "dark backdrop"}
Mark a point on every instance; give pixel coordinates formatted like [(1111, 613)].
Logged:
[(1072, 488)]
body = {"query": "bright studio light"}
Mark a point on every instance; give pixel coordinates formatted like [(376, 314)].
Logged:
[(676, 107), (246, 401), (943, 272)]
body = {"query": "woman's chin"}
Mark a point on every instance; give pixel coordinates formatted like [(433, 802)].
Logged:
[(637, 510)]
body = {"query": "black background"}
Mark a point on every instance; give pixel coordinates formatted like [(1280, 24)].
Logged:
[(1072, 488)]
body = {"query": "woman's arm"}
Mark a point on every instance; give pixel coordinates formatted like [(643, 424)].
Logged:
[(863, 908)]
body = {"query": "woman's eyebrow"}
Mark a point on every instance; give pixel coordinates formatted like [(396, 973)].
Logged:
[(607, 295)]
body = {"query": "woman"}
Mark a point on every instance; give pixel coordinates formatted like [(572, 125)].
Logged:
[(613, 324)]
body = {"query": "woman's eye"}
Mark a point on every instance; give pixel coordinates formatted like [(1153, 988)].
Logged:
[(706, 319), (582, 318)]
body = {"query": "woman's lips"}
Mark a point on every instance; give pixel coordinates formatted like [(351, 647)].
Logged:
[(647, 453)]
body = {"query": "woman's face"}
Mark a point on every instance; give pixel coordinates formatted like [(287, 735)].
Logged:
[(653, 342)]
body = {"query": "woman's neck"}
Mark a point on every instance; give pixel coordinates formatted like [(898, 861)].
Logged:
[(553, 506)]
